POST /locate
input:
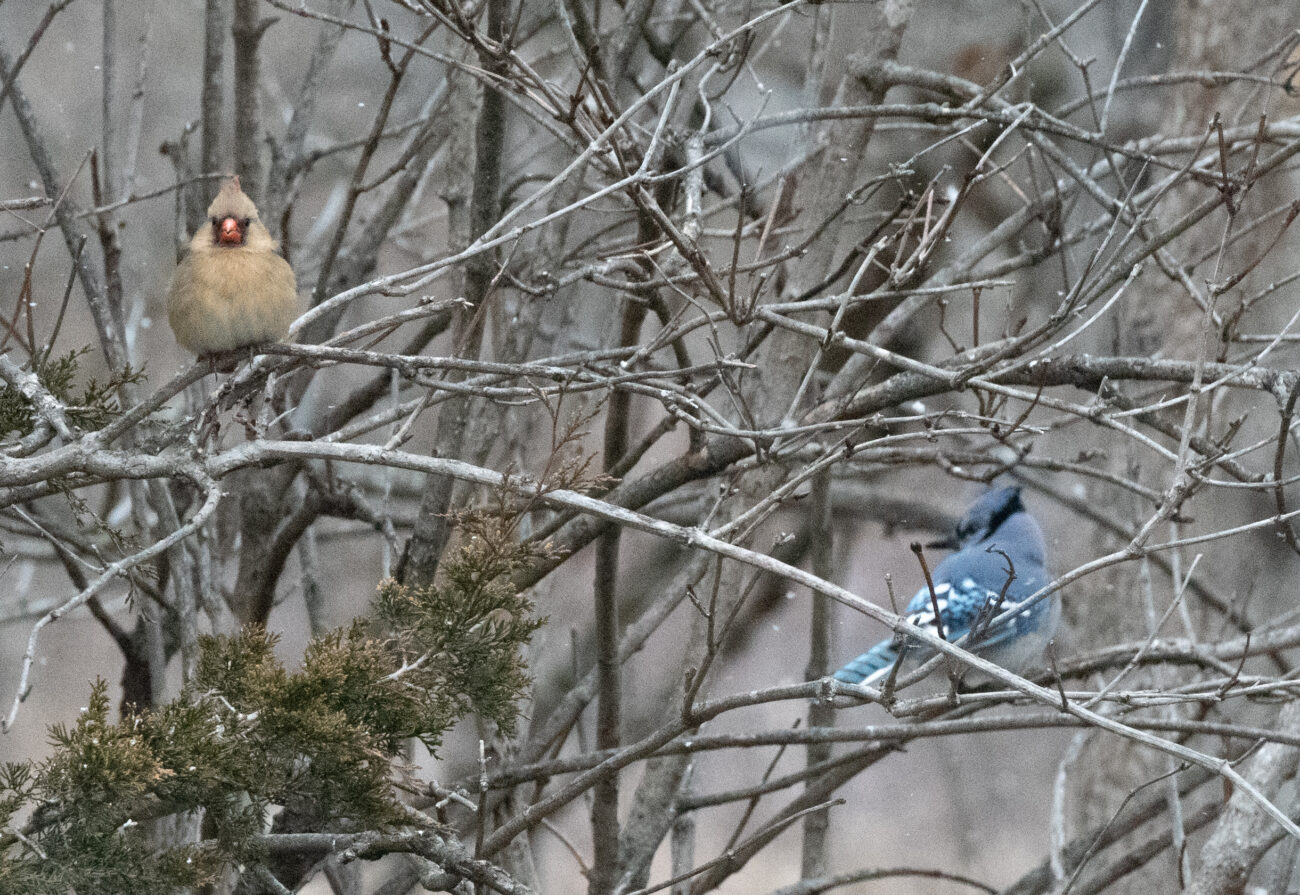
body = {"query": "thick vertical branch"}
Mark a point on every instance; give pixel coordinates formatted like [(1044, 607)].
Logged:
[(247, 31), (103, 170), (490, 138), (820, 713), (606, 865), (215, 16), (604, 806), (265, 498), (432, 529), (419, 562), (683, 852)]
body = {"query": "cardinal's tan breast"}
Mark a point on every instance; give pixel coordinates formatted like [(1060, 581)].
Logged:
[(225, 298)]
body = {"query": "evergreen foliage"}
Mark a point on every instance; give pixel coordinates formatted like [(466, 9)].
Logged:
[(92, 406), (249, 733)]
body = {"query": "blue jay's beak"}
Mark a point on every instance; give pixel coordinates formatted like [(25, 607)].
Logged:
[(947, 542)]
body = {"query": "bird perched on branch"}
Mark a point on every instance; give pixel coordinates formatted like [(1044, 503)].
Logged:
[(971, 589), (232, 289)]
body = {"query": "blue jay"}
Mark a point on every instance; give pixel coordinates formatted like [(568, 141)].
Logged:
[(967, 585)]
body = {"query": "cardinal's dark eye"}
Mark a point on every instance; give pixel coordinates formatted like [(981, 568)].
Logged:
[(243, 225), (216, 222)]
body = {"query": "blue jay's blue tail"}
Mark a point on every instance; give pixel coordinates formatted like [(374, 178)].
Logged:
[(995, 536), (879, 658)]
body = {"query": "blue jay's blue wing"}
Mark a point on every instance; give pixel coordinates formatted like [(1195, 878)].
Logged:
[(959, 605), (870, 664), (971, 588)]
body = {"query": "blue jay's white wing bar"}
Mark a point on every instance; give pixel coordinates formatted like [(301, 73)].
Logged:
[(254, 452)]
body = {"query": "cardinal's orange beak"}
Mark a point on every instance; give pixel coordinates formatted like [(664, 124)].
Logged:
[(229, 233)]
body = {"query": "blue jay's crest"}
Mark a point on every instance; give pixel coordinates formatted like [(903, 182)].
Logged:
[(973, 586)]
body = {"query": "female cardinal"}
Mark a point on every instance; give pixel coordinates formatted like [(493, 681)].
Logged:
[(232, 289)]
